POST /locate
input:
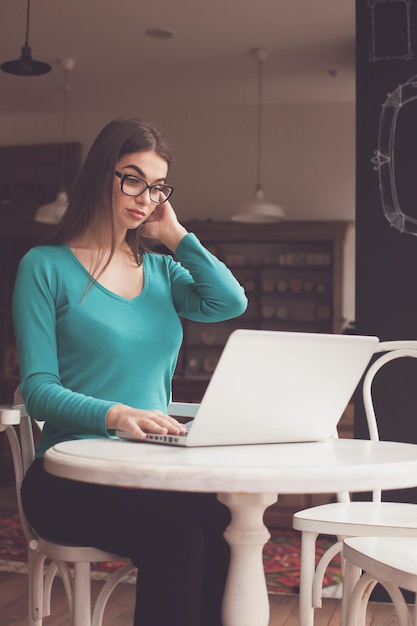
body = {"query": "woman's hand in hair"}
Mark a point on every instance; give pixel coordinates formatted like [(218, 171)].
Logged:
[(163, 225), (138, 422)]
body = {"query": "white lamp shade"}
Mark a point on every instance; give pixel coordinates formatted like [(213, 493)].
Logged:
[(259, 211), (53, 212)]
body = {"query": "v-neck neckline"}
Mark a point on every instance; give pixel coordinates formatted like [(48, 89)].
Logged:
[(99, 285)]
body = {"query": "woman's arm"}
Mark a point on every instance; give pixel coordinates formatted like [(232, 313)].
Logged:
[(34, 316), (204, 289)]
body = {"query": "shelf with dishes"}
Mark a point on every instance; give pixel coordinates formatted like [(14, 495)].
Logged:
[(292, 274)]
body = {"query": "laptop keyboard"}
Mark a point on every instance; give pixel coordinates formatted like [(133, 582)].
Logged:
[(166, 438)]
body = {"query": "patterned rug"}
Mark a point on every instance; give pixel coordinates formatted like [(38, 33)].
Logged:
[(282, 562), (281, 557)]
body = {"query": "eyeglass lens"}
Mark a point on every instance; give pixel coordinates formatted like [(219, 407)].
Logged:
[(133, 186)]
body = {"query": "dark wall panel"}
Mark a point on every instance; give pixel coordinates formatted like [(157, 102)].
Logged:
[(386, 210), (386, 202)]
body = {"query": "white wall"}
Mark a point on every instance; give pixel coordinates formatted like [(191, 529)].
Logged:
[(308, 158)]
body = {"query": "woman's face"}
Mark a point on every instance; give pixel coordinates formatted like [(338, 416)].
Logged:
[(131, 211)]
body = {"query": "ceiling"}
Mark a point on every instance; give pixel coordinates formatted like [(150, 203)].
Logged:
[(311, 52)]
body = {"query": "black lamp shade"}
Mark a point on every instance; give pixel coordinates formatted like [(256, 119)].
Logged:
[(26, 66)]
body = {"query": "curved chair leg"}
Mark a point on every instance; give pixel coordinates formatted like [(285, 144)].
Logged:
[(67, 580), (40, 585), (320, 571), (403, 614), (307, 569), (48, 580), (108, 587), (358, 602)]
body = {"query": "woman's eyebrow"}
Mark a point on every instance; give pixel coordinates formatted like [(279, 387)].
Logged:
[(140, 172)]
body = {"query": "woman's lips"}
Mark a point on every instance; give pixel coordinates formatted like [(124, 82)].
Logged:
[(138, 215)]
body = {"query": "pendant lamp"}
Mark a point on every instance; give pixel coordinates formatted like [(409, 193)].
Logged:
[(53, 212), (26, 66), (259, 210)]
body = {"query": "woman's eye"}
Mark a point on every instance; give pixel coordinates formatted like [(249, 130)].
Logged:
[(133, 182)]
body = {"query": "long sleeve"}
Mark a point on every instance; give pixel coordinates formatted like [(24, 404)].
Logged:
[(37, 307), (210, 292)]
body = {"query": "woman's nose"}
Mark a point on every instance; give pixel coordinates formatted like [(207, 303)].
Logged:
[(144, 197)]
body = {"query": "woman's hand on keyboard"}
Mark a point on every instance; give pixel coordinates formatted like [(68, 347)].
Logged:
[(138, 422)]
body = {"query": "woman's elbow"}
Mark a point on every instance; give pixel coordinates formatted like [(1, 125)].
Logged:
[(237, 305)]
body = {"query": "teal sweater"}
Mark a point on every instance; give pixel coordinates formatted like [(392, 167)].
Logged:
[(82, 351)]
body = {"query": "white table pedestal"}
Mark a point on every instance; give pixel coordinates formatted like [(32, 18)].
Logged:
[(246, 600)]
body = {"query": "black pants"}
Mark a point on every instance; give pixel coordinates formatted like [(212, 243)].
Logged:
[(174, 538)]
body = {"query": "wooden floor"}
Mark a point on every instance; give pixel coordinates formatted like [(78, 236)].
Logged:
[(283, 608)]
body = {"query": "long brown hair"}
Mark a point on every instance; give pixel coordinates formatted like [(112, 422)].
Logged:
[(91, 197)]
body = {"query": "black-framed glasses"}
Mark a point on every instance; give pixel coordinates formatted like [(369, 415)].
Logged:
[(135, 186)]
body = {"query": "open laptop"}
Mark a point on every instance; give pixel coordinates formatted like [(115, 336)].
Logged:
[(274, 387)]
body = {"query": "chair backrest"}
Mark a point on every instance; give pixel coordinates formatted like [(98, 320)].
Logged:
[(385, 352), (18, 426)]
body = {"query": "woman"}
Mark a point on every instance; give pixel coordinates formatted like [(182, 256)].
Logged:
[(97, 320)]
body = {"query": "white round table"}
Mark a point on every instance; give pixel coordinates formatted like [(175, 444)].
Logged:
[(247, 480)]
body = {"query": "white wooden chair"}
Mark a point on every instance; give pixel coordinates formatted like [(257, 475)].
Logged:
[(349, 519), (17, 425), (389, 561)]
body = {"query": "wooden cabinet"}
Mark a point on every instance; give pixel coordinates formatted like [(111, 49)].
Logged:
[(293, 276)]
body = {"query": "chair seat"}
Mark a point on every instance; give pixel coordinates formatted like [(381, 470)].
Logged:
[(67, 552), (392, 559), (359, 518)]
